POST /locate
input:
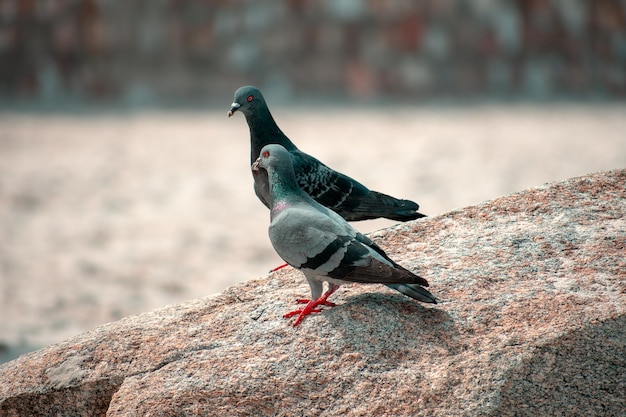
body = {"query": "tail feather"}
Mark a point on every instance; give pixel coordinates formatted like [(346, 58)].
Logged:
[(414, 291), (377, 205)]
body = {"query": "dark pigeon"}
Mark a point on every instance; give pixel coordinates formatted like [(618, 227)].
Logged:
[(346, 196), (320, 243)]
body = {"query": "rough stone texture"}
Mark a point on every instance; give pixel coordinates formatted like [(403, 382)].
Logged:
[(532, 323)]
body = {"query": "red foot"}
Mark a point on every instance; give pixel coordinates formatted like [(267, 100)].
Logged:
[(278, 267), (324, 302), (311, 305), (300, 311)]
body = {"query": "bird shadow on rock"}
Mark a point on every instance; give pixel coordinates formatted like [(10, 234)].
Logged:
[(385, 322)]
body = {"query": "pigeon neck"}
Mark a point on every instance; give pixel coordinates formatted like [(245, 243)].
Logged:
[(263, 131), (284, 190)]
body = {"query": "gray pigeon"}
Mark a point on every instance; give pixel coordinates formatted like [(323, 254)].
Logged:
[(332, 189), (320, 243)]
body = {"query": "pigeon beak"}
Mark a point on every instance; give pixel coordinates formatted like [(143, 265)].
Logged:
[(233, 109), (255, 165)]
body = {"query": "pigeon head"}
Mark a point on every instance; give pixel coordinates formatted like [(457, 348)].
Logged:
[(246, 99), (263, 128), (273, 156), (274, 178), (277, 162)]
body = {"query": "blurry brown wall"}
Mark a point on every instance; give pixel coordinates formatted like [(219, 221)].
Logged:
[(152, 50)]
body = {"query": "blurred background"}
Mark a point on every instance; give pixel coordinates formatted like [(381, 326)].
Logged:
[(124, 187), (186, 51)]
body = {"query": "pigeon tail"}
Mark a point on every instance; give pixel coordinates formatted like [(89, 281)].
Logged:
[(377, 205), (414, 291)]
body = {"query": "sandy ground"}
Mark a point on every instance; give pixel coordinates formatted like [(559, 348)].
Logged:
[(103, 216)]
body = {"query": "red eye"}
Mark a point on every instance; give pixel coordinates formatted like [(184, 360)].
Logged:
[(266, 154), (250, 98)]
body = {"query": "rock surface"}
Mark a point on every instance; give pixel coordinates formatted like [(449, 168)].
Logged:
[(531, 322), (120, 210)]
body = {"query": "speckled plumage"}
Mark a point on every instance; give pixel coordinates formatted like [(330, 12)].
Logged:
[(342, 194), (319, 242)]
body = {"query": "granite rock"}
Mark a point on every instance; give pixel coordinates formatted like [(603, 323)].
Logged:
[(531, 322)]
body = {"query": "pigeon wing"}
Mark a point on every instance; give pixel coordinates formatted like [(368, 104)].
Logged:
[(360, 264), (328, 187), (366, 262), (309, 239), (346, 196), (306, 238)]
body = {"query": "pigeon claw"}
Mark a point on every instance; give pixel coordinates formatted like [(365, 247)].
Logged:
[(303, 312), (311, 305), (299, 312), (306, 300)]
